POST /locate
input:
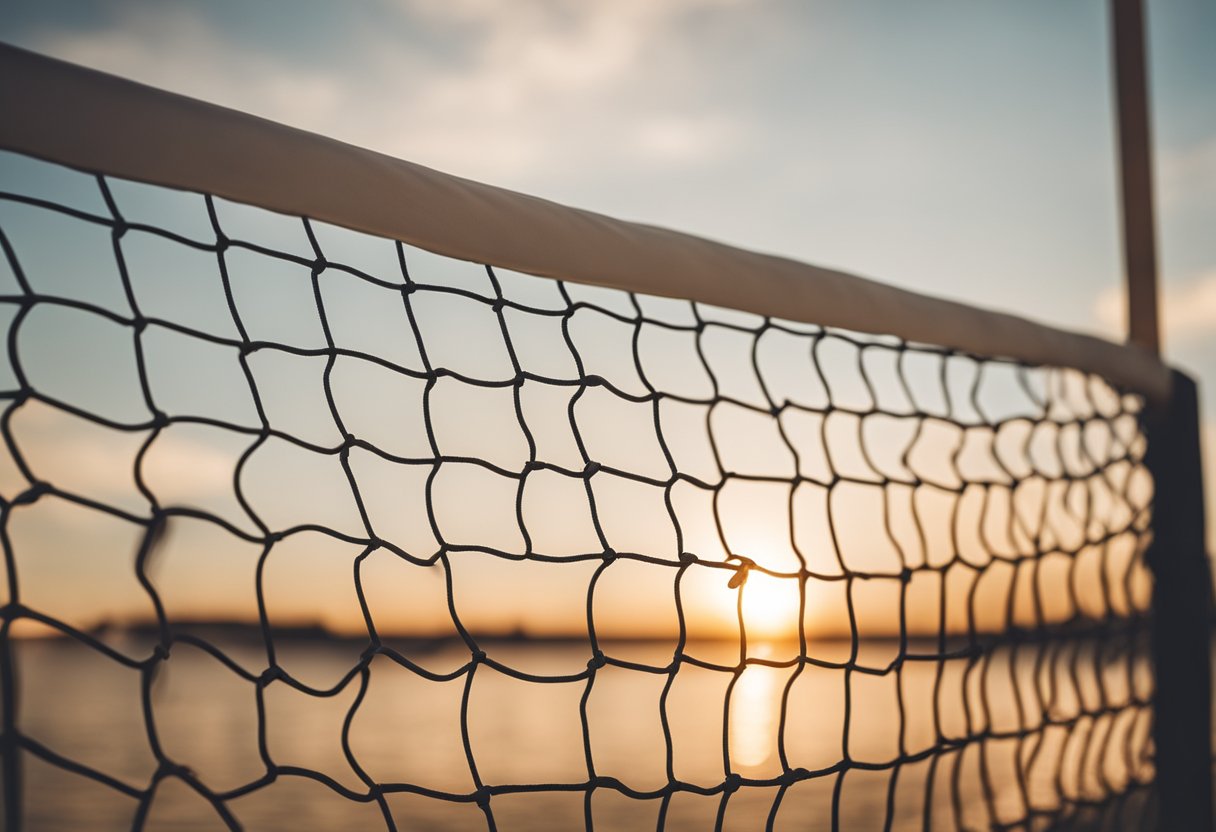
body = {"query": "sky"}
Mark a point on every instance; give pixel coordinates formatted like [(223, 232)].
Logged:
[(961, 149), (955, 148), (958, 148)]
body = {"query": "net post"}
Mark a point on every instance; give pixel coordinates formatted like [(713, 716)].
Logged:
[(10, 751), (1182, 613), (1130, 49)]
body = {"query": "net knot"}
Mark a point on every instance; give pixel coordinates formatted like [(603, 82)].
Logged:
[(482, 797), (160, 653), (270, 674), (119, 228), (591, 469), (409, 289), (609, 555), (740, 577), (732, 783), (320, 264), (222, 243), (794, 776), (168, 768), (498, 305), (29, 495), (905, 575), (687, 558), (478, 657), (597, 660)]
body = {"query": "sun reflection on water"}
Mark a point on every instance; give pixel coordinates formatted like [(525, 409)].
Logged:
[(753, 714)]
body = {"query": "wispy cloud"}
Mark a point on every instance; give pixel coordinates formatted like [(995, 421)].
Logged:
[(173, 47), (1188, 309), (523, 86), (1187, 173), (1208, 440), (87, 459)]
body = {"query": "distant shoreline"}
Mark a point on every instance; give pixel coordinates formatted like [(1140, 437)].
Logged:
[(250, 632)]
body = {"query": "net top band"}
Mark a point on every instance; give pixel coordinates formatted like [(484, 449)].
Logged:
[(87, 119)]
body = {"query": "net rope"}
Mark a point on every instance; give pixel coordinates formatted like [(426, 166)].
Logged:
[(1050, 678)]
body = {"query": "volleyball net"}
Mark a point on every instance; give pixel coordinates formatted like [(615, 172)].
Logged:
[(338, 491)]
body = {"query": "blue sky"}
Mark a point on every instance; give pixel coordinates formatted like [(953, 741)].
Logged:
[(963, 149)]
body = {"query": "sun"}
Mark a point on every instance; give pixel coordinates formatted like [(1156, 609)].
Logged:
[(770, 606)]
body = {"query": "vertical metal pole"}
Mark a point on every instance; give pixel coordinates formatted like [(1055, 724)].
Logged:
[(1182, 615), (10, 752), (1135, 172)]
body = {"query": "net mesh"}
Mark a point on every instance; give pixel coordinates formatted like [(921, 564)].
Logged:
[(601, 559)]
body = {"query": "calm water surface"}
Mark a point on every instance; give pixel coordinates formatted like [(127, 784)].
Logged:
[(407, 729)]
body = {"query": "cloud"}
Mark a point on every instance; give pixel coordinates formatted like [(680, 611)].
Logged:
[(1207, 441), (88, 459), (1187, 174), (173, 47), (1188, 309), (511, 91), (683, 140)]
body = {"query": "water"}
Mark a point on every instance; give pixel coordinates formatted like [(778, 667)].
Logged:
[(407, 729)]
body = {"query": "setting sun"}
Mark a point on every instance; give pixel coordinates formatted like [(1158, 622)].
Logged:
[(770, 606)]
